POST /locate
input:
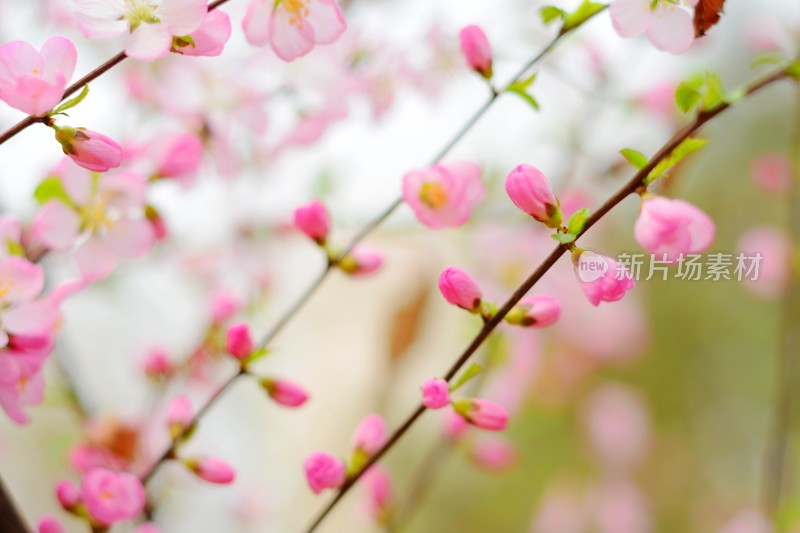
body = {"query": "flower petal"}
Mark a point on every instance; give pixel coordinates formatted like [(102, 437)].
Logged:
[(290, 38), (96, 259), (98, 28), (57, 225), (149, 42), (182, 16), (130, 238), (671, 29), (256, 23), (17, 59), (326, 17), (630, 17), (20, 279), (59, 55)]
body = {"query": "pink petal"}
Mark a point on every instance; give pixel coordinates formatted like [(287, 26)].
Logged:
[(130, 238), (5, 365), (182, 16), (96, 259), (326, 17), (22, 279), (211, 36), (34, 95), (290, 41), (59, 55), (149, 42), (98, 28), (671, 29), (31, 319), (105, 9), (256, 23), (17, 59), (57, 225), (630, 17)]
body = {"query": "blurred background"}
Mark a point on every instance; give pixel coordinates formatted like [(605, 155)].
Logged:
[(646, 415)]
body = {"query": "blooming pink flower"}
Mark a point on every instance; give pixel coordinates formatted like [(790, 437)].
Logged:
[(48, 524), (460, 289), (210, 38), (20, 283), (443, 196), (668, 26), (179, 157), (32, 81), (21, 381), (152, 24), (670, 228), (68, 495), (212, 470), (293, 27), (239, 342), (361, 261), (435, 393), (774, 269), (112, 496), (606, 285), (179, 414), (324, 471), (284, 392), (772, 172), (477, 50), (107, 210), (482, 413), (530, 191), (91, 150), (380, 492), (536, 311), (313, 220), (370, 435), (495, 455), (157, 364)]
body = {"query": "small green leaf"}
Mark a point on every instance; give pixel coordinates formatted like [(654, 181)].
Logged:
[(714, 93), (735, 95), (584, 12), (564, 238), (688, 95), (255, 356), (769, 58), (69, 104), (577, 221), (520, 88), (551, 13), (793, 70), (637, 159), (51, 189), (473, 370), (688, 146)]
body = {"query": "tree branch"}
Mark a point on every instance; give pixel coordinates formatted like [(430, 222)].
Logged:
[(10, 518)]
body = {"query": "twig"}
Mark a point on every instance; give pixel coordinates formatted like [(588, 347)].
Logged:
[(10, 518)]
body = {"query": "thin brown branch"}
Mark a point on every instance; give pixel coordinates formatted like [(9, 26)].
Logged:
[(10, 518)]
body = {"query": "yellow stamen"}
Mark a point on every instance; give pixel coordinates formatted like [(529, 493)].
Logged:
[(433, 195)]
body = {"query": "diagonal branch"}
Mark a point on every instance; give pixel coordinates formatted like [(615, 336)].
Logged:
[(10, 518)]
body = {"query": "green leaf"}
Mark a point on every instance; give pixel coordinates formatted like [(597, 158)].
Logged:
[(520, 88), (769, 58), (688, 95), (793, 70), (69, 104), (714, 93), (577, 221), (637, 159), (255, 356), (688, 146), (473, 370), (564, 238), (51, 189), (551, 13), (584, 12)]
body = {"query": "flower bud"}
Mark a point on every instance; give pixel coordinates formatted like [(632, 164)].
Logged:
[(672, 228), (212, 470), (370, 435), (435, 393), (459, 289), (48, 524), (68, 495), (379, 489), (89, 149), (285, 392), (535, 311), (361, 261), (313, 220), (179, 416), (601, 278), (157, 364), (239, 342), (224, 306), (160, 231), (477, 50), (482, 413), (324, 471), (530, 191)]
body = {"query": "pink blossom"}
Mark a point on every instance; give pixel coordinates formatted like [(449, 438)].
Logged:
[(495, 455), (20, 283), (667, 24), (379, 489), (773, 272), (477, 50), (48, 524), (152, 25), (212, 470), (324, 471), (224, 306), (618, 426), (157, 364), (179, 414), (21, 381), (670, 228), (91, 150), (285, 392), (112, 496), (772, 172), (239, 342), (608, 286), (482, 413), (293, 27), (10, 234), (361, 261), (530, 191), (85, 458), (459, 289), (179, 157), (34, 82), (107, 210), (68, 495), (370, 435), (659, 100), (210, 38), (443, 196), (536, 311), (313, 220), (435, 393)]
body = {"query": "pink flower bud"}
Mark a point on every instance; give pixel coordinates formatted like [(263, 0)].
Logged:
[(212, 470), (157, 223), (601, 278), (670, 228), (324, 471), (535, 311), (495, 455), (482, 413), (68, 495), (89, 149), (313, 220), (370, 435), (530, 191), (477, 50), (112, 496), (454, 424), (224, 306), (285, 392), (180, 157), (157, 364), (380, 492), (361, 262), (459, 289), (179, 415), (435, 393), (240, 344), (48, 524)]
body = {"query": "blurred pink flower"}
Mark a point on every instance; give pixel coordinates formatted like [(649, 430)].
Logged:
[(670, 228), (323, 471), (495, 455), (21, 381), (68, 495), (459, 289), (212, 470), (239, 342), (361, 261), (370, 435), (313, 220), (179, 414), (618, 426), (156, 364), (772, 172), (285, 392), (380, 492), (435, 393), (774, 267), (748, 521), (454, 424), (611, 286), (443, 196), (48, 524), (667, 24), (34, 82), (530, 191), (476, 49), (293, 27), (178, 157), (224, 306), (112, 496), (538, 311)]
